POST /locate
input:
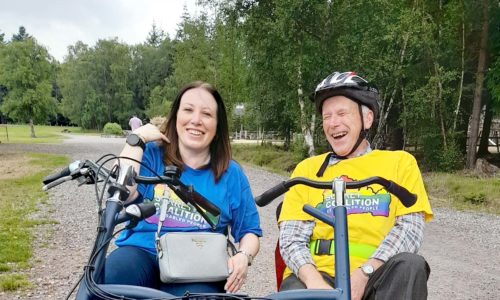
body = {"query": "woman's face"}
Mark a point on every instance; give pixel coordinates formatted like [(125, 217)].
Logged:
[(196, 120)]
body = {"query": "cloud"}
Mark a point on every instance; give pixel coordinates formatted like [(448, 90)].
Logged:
[(56, 24)]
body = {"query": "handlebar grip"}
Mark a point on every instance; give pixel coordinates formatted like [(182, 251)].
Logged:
[(56, 182), (407, 198), (52, 177), (269, 195), (147, 209)]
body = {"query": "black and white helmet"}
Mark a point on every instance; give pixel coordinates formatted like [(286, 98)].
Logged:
[(346, 84)]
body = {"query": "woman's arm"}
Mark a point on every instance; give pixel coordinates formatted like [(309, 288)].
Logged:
[(238, 264), (147, 133)]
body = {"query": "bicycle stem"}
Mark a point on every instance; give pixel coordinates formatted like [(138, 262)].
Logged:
[(342, 270)]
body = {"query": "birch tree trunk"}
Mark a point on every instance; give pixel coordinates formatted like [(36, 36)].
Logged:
[(306, 130), (377, 140), (461, 75)]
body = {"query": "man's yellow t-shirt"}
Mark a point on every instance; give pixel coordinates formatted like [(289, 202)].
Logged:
[(371, 210)]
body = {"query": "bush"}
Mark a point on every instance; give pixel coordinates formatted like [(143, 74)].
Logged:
[(476, 199), (268, 156), (436, 158), (112, 129), (451, 159)]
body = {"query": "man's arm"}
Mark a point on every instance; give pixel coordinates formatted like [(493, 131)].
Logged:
[(294, 248), (406, 236)]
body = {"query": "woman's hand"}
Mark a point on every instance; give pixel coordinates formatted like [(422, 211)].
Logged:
[(149, 133), (238, 269)]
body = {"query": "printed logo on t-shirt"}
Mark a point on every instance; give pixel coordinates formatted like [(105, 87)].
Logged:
[(179, 214), (359, 201)]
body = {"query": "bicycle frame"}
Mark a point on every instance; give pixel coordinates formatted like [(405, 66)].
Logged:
[(339, 222), (108, 222), (342, 289)]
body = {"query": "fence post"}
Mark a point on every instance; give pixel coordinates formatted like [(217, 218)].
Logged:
[(497, 138)]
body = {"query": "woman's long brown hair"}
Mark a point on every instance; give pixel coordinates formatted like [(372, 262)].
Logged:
[(220, 147)]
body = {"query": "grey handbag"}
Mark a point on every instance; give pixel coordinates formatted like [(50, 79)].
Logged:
[(191, 256)]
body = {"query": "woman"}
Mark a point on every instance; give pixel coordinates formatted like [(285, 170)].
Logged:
[(195, 138)]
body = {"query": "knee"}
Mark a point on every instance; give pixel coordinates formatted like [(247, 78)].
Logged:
[(292, 283), (130, 265), (413, 263)]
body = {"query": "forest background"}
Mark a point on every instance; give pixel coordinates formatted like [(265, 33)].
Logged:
[(435, 63)]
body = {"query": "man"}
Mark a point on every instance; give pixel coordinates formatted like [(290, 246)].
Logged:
[(383, 234), (134, 123)]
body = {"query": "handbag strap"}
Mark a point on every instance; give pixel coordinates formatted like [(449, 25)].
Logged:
[(163, 214)]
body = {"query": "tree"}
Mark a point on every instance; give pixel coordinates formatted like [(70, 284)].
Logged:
[(478, 91), (155, 36), (151, 66), (95, 84), (193, 52), (26, 73), (22, 35)]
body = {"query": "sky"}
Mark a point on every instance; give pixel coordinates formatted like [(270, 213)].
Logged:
[(56, 24)]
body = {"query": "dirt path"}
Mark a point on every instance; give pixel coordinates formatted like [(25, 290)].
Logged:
[(463, 249)]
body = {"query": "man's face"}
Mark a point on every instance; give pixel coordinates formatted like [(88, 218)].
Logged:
[(342, 123)]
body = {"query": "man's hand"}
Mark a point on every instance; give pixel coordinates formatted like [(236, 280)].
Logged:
[(310, 276), (359, 280), (358, 284)]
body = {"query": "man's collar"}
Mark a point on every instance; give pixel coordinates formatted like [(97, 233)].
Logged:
[(335, 159)]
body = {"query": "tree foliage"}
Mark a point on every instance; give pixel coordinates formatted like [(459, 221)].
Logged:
[(95, 84), (268, 56), (26, 73)]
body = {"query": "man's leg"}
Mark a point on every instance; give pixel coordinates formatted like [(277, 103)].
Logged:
[(404, 276)]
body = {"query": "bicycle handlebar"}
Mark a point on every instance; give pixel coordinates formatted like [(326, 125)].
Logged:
[(88, 168), (407, 198), (71, 168)]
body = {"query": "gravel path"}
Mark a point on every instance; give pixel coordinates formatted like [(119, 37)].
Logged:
[(462, 248)]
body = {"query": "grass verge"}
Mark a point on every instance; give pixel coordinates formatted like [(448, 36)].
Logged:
[(270, 157), (19, 199), (44, 134), (463, 191)]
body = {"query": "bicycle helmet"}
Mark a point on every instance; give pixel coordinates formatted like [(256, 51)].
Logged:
[(346, 84)]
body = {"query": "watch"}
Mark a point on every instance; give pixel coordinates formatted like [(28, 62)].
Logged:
[(367, 270), (135, 140), (248, 255)]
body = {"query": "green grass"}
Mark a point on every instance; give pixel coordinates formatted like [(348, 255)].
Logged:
[(13, 282), (459, 191), (269, 157), (44, 134), (19, 199), (463, 191)]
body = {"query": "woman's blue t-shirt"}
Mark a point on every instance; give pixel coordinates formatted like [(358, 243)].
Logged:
[(231, 194)]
